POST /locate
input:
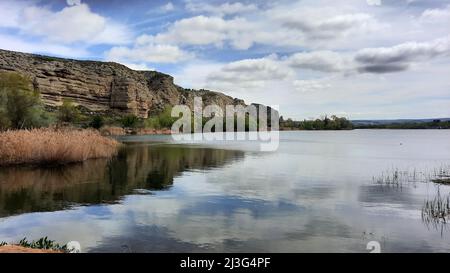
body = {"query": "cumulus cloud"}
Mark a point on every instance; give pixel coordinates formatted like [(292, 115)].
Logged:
[(9, 42), (324, 23), (371, 60), (148, 52), (268, 70), (252, 72), (324, 61), (275, 27), (221, 10), (203, 30), (73, 2), (436, 15), (139, 66), (76, 23), (168, 7), (373, 2), (12, 17), (307, 86), (400, 57)]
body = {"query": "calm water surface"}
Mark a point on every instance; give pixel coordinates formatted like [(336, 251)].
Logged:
[(315, 194)]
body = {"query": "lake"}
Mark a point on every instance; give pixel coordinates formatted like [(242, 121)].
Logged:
[(319, 192)]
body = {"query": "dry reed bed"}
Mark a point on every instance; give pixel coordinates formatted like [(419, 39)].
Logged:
[(49, 146)]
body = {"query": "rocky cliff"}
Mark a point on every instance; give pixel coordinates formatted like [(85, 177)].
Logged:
[(104, 86)]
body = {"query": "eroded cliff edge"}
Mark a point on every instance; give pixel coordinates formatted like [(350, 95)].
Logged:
[(104, 86)]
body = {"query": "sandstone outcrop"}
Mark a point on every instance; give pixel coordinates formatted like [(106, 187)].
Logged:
[(104, 86)]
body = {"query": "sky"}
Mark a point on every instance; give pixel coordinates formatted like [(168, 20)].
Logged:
[(362, 59)]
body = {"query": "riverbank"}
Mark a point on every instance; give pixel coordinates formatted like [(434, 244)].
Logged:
[(21, 249), (119, 131), (53, 146)]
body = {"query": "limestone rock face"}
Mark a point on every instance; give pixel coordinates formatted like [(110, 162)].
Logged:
[(104, 86)]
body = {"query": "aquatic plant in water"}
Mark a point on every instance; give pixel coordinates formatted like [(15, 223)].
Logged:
[(396, 177), (436, 212)]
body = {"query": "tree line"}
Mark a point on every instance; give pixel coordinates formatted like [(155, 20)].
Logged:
[(435, 124), (326, 123)]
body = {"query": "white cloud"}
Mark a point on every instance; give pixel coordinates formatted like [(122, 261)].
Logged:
[(73, 2), (324, 61), (436, 15), (374, 2), (276, 27), (324, 23), (148, 52), (221, 10), (252, 72), (73, 24), (372, 60), (307, 86), (400, 57), (139, 66), (168, 7), (202, 30), (12, 17), (9, 42)]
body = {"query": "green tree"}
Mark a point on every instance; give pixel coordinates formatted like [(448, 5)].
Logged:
[(96, 122), (153, 123), (68, 112), (163, 120), (20, 104), (129, 121), (5, 123)]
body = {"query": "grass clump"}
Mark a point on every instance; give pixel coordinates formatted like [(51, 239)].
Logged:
[(42, 243), (49, 146)]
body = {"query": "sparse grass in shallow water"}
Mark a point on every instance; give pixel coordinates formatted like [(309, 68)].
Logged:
[(396, 177), (442, 181), (442, 175), (436, 212)]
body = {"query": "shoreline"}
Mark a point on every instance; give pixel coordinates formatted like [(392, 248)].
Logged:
[(21, 249)]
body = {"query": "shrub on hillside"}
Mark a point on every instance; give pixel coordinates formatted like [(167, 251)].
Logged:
[(97, 122), (163, 120), (129, 121), (68, 112)]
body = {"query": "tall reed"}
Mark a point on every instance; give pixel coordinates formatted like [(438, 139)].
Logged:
[(49, 146)]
